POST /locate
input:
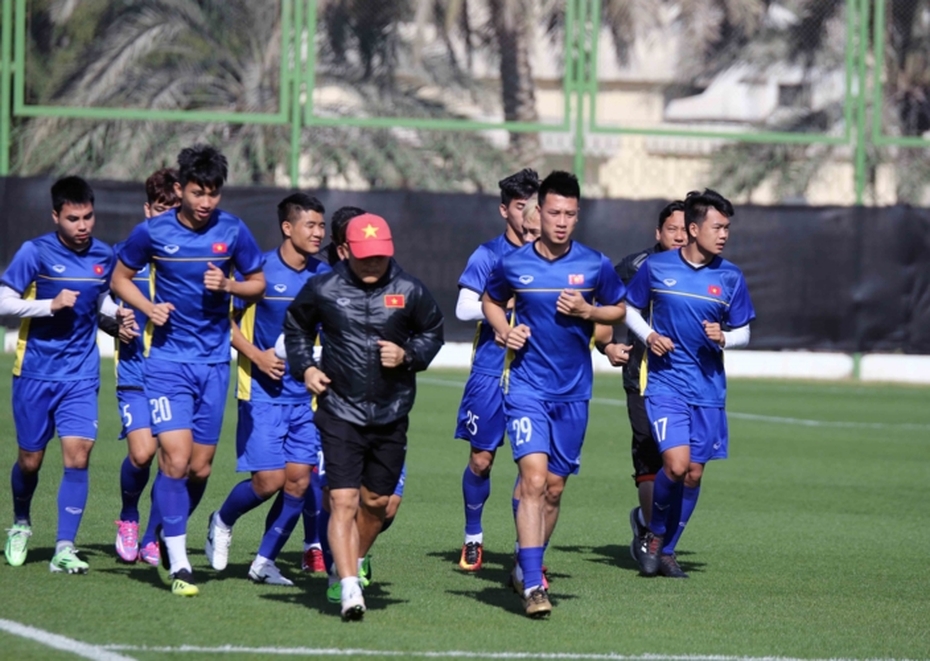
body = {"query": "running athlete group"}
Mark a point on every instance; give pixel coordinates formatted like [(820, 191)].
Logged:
[(329, 342)]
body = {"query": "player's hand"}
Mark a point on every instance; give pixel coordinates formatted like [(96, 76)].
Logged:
[(517, 336), (618, 354), (128, 328), (160, 313), (214, 279), (659, 344), (714, 333), (270, 364), (66, 299), (572, 303), (392, 355), (316, 381)]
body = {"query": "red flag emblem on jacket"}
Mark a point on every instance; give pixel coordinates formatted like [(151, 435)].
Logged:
[(98, 269), (713, 290), (576, 278), (394, 301), (219, 248)]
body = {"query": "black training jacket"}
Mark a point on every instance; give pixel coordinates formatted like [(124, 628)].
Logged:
[(352, 317), (626, 268)]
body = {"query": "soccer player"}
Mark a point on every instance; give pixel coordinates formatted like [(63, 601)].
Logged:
[(56, 284), (134, 407), (530, 227), (381, 326), (699, 305), (276, 439), (630, 352), (192, 251), (481, 416), (561, 288)]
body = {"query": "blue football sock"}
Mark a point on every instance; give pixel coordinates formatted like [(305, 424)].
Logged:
[(274, 511), (132, 481), (280, 531), (663, 494), (673, 514), (154, 515), (72, 498), (531, 562), (174, 504), (195, 491), (322, 525), (24, 486), (689, 498), (240, 500), (313, 503), (476, 489)]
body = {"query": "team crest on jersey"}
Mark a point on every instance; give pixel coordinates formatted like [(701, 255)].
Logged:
[(576, 278), (713, 290), (280, 288), (219, 248), (172, 249), (58, 268), (394, 301), (98, 269)]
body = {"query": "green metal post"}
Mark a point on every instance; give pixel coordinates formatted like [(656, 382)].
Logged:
[(860, 162), (578, 51), (6, 70), (295, 80)]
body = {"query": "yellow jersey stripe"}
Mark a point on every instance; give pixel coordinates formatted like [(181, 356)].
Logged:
[(28, 295), (247, 326)]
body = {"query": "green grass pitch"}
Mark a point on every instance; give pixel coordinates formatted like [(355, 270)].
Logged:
[(811, 541)]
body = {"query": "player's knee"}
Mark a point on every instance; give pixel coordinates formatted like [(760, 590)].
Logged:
[(267, 484), (481, 462), (532, 485), (554, 493), (375, 502), (694, 475), (30, 462), (140, 458), (388, 520)]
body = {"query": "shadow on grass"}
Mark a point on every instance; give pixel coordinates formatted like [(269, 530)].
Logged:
[(495, 566), (619, 556), (376, 597)]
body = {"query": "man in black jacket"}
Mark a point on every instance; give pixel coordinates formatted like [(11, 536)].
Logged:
[(381, 326)]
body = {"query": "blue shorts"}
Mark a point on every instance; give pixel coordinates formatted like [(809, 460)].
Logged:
[(399, 489), (133, 409), (676, 423), (481, 413), (555, 429), (42, 407), (187, 396), (270, 435)]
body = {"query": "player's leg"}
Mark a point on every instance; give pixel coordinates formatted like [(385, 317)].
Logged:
[(211, 383), (394, 501), (344, 452), (312, 560), (646, 463), (76, 420), (481, 423), (33, 407), (135, 470), (260, 434), (300, 448), (671, 427)]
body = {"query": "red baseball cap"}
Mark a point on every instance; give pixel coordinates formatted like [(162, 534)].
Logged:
[(368, 235)]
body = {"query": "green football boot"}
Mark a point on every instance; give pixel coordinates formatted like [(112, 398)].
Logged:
[(17, 543), (67, 561)]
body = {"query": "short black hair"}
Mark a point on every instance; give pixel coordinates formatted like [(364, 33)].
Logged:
[(296, 201), (519, 186), (204, 165), (71, 190), (560, 183), (337, 231), (340, 221), (697, 204), (668, 210), (159, 187)]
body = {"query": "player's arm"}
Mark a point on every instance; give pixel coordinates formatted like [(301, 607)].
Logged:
[(300, 332), (426, 338), (14, 305), (468, 305), (126, 290), (250, 289), (19, 275), (265, 360), (736, 338), (572, 303), (617, 353)]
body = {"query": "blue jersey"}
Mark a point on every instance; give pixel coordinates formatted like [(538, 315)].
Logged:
[(487, 357), (261, 324), (555, 362), (62, 347), (129, 366), (198, 329), (677, 298)]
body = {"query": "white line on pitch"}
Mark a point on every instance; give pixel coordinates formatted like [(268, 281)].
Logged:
[(755, 417), (57, 642), (450, 654)]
